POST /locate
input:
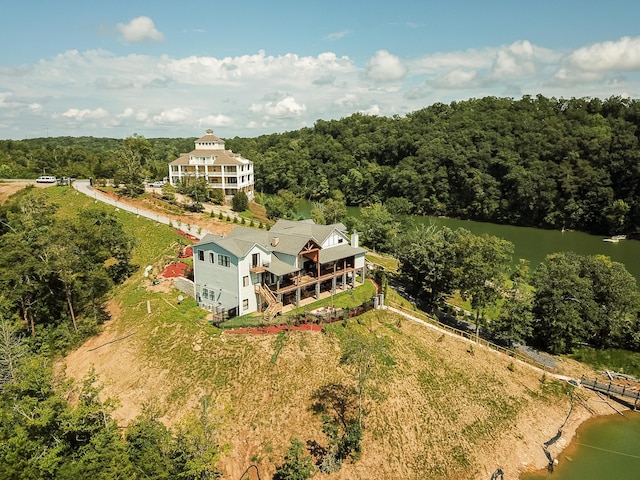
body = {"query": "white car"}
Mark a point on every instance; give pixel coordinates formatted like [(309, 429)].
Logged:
[(156, 184), (46, 179)]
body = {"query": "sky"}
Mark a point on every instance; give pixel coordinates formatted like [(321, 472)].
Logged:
[(244, 68)]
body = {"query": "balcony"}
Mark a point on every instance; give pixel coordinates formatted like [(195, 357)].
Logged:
[(259, 268)]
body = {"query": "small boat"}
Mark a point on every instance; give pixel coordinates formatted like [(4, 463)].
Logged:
[(615, 238)]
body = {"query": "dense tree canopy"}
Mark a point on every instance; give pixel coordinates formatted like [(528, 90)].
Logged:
[(58, 269), (537, 161)]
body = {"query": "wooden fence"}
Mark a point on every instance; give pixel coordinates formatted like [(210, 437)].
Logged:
[(472, 337)]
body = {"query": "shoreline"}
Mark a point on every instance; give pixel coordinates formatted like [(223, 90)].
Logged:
[(579, 419)]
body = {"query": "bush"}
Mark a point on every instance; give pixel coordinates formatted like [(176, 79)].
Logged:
[(240, 202), (296, 466)]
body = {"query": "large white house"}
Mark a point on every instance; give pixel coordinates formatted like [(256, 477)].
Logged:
[(255, 270), (221, 168)]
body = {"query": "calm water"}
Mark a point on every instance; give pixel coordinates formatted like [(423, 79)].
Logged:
[(603, 448), (535, 244)]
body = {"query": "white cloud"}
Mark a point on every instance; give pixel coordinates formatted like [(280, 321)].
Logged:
[(455, 79), (260, 93), (385, 67), (619, 56), (173, 116), (285, 107), (85, 114), (337, 35), (215, 121), (138, 30), (372, 110)]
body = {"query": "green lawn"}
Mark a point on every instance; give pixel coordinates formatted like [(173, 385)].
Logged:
[(621, 361)]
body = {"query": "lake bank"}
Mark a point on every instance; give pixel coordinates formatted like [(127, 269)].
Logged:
[(606, 446)]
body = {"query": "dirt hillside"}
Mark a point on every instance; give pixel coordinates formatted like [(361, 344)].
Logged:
[(9, 188), (439, 412)]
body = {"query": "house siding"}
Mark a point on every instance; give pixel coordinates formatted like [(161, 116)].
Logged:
[(221, 282)]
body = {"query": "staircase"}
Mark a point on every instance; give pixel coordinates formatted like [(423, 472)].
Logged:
[(274, 306)]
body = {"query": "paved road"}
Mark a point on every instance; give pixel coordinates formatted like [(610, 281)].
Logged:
[(83, 186)]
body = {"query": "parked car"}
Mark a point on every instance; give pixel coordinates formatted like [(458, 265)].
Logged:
[(46, 179), (156, 184)]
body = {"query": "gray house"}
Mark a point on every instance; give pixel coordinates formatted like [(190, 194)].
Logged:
[(255, 270)]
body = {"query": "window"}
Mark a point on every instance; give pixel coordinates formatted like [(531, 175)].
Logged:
[(255, 260), (340, 240), (224, 260), (245, 281), (245, 304), (201, 255), (212, 257), (205, 293)]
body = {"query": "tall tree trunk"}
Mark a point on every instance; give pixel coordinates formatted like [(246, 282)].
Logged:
[(73, 315), (28, 319)]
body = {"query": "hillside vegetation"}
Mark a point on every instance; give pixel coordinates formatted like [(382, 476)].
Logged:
[(537, 161)]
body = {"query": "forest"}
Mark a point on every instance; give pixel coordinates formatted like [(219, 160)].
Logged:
[(536, 161)]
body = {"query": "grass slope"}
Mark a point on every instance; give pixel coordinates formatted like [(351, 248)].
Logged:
[(440, 411)]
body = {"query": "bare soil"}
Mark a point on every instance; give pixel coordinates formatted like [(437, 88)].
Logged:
[(411, 431), (9, 188)]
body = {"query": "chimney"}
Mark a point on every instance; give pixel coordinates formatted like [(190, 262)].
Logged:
[(354, 239), (275, 241)]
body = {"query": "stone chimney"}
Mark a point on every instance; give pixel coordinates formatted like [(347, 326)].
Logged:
[(275, 241), (354, 239)]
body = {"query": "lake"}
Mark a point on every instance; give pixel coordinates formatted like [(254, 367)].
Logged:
[(532, 244), (604, 447)]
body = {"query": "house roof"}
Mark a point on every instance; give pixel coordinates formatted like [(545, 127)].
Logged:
[(238, 247), (288, 242), (221, 157), (291, 239), (278, 267), (209, 137), (308, 228), (336, 253)]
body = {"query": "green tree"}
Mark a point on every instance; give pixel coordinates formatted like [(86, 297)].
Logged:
[(195, 451), (335, 209), (616, 298), (282, 205), (13, 350), (515, 322), (135, 155), (584, 299), (428, 261), (149, 444), (240, 202), (378, 227), (484, 263), (365, 356), (562, 296), (296, 466)]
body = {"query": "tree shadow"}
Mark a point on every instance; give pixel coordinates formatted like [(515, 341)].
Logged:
[(336, 400), (337, 404)]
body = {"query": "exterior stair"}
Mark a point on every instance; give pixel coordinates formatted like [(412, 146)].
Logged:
[(273, 305)]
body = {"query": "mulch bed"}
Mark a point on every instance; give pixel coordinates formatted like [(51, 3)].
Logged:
[(185, 252), (309, 327), (176, 269), (186, 235)]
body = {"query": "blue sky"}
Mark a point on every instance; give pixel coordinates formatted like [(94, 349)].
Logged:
[(173, 69)]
